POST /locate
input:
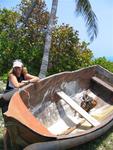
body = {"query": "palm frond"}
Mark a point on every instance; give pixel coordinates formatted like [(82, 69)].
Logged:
[(83, 7)]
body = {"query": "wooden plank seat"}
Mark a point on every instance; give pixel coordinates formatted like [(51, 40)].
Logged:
[(101, 82), (79, 109)]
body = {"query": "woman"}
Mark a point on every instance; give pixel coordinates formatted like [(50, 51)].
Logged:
[(17, 77)]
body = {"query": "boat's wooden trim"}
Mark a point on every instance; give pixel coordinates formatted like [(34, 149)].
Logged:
[(79, 109), (101, 82)]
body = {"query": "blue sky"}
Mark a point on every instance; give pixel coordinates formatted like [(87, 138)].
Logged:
[(103, 45)]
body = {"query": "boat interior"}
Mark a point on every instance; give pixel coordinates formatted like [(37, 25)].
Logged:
[(80, 102)]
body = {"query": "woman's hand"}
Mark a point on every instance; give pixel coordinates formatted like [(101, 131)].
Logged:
[(36, 79), (32, 78), (26, 81)]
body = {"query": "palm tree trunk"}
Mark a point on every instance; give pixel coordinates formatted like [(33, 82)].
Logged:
[(45, 59)]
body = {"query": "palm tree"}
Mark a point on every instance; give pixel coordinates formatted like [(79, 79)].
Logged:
[(83, 7), (45, 59)]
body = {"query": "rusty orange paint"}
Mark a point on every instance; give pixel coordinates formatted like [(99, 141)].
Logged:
[(19, 111)]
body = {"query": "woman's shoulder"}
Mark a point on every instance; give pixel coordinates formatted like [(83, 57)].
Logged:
[(11, 75)]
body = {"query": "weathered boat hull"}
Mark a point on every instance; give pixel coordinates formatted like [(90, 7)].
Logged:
[(70, 142), (36, 114)]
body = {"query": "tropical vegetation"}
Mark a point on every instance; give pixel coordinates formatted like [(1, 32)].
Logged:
[(82, 8), (23, 35)]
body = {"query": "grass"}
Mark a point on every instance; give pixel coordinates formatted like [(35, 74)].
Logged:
[(1, 131), (105, 142)]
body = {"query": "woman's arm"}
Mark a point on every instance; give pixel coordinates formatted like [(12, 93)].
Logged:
[(31, 78), (15, 82)]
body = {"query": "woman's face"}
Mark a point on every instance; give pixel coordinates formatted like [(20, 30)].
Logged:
[(18, 71)]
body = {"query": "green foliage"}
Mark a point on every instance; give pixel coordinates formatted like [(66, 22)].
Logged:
[(102, 61), (67, 52), (23, 42), (7, 28), (4, 78), (27, 42)]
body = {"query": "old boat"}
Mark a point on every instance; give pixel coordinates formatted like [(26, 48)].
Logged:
[(50, 113)]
